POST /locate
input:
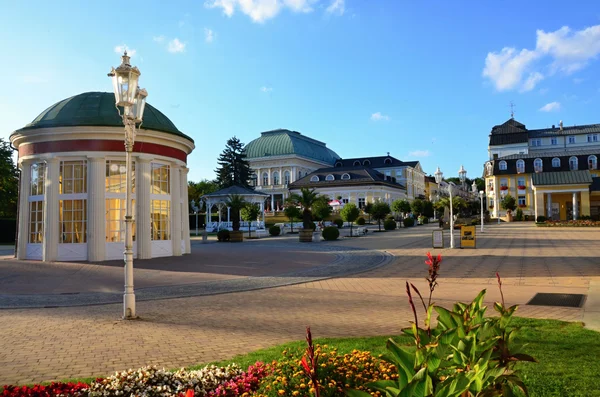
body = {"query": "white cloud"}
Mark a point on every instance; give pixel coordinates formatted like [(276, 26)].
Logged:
[(266, 89), (159, 39), (260, 10), (507, 67), (120, 49), (378, 117), (209, 35), (419, 153), (176, 46), (336, 7), (550, 107), (531, 81), (563, 50)]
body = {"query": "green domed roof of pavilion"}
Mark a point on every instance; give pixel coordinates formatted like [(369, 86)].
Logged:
[(285, 142), (97, 109)]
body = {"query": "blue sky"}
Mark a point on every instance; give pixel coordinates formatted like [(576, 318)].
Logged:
[(422, 81)]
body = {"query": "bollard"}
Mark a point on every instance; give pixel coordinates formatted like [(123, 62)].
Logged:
[(317, 237), (204, 236)]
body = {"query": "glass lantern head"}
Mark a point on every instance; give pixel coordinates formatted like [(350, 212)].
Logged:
[(462, 174), (438, 175), (125, 82), (139, 105)]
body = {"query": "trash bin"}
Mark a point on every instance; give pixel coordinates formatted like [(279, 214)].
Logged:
[(317, 237)]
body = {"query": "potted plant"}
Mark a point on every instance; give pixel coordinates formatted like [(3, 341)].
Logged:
[(521, 187), (235, 202), (509, 204), (503, 187), (292, 212), (306, 199)]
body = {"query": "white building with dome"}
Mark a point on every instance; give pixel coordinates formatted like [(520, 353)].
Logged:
[(285, 161), (72, 191)]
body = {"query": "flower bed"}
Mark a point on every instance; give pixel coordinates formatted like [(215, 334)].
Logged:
[(578, 223)]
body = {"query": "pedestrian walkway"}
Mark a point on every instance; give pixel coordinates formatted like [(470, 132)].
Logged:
[(58, 343)]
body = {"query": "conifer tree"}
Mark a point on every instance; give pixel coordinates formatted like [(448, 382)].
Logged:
[(233, 168)]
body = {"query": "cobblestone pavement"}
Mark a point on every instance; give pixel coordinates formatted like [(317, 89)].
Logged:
[(57, 343)]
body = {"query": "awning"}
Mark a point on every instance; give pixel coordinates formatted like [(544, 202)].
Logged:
[(582, 177)]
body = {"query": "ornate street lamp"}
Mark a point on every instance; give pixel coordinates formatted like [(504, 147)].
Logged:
[(481, 193), (439, 175), (462, 176), (132, 100)]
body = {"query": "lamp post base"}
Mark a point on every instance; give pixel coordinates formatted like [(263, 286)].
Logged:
[(129, 307)]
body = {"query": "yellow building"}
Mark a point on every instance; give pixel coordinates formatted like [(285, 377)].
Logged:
[(551, 172)]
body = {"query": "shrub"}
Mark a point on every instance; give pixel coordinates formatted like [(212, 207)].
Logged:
[(389, 217), (274, 230), (339, 223), (519, 215), (541, 219), (223, 235), (389, 224), (474, 222), (360, 221), (331, 233), (584, 218), (425, 220), (408, 222)]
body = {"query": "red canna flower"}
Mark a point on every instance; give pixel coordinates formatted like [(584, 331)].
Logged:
[(189, 393), (305, 365)]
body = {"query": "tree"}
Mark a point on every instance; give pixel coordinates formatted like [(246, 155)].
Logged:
[(350, 213), (292, 212), (401, 206), (458, 204), (428, 209), (367, 209), (508, 203), (9, 182), (306, 199), (321, 208), (380, 211), (417, 206), (198, 189), (249, 214), (233, 168), (236, 203)]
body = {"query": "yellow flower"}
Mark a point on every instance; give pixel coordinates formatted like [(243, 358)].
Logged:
[(296, 393), (281, 392)]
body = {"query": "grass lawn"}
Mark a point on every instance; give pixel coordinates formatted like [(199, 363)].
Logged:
[(568, 356)]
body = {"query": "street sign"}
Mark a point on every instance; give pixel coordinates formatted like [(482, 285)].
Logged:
[(467, 236), (437, 237)]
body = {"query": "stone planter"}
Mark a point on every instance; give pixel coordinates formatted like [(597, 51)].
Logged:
[(236, 236), (306, 235)]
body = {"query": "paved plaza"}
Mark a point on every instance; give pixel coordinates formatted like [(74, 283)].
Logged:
[(351, 287)]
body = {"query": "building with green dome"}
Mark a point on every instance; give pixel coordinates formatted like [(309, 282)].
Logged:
[(284, 161), (72, 192)]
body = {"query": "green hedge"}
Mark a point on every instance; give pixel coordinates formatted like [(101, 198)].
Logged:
[(339, 223), (408, 222), (331, 233), (223, 235), (360, 221), (274, 230), (389, 224)]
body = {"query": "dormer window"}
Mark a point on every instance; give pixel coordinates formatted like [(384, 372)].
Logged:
[(338, 164), (502, 165), (520, 166), (346, 177), (356, 163), (329, 177), (592, 162), (573, 163), (556, 162), (314, 178), (366, 162), (538, 165), (388, 161)]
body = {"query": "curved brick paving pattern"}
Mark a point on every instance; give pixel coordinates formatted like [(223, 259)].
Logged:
[(44, 344)]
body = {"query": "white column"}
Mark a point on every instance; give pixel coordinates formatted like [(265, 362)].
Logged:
[(549, 208), (281, 175), (185, 216), (272, 203), (294, 175), (96, 231), (24, 209), (52, 232), (176, 224), (228, 215), (536, 204), (262, 210), (142, 201), (575, 209)]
